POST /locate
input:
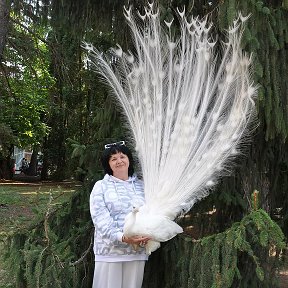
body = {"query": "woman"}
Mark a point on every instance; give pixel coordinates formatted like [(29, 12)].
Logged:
[(119, 260)]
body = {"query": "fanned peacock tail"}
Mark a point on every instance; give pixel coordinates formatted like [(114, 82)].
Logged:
[(188, 104)]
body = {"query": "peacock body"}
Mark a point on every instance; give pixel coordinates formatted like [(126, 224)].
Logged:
[(188, 108)]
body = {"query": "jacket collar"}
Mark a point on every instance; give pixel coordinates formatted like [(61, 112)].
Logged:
[(108, 177)]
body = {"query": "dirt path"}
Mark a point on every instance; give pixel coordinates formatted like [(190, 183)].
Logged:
[(283, 279)]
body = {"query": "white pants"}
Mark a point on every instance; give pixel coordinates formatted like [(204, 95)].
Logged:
[(127, 274)]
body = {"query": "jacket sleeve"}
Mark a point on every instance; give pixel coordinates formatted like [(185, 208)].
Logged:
[(102, 220)]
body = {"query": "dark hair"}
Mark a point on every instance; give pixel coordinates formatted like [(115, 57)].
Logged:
[(107, 153)]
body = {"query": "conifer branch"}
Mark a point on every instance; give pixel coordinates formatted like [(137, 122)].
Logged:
[(84, 254), (46, 226)]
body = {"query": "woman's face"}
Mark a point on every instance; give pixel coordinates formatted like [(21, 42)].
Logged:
[(119, 163)]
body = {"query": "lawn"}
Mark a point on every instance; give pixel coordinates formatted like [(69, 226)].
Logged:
[(22, 203)]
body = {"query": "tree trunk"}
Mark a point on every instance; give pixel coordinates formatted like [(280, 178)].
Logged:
[(6, 168), (32, 170), (5, 6), (45, 161)]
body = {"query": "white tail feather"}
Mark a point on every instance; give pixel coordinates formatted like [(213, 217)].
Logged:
[(187, 109)]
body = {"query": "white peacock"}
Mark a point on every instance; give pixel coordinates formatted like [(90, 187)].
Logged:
[(188, 111)]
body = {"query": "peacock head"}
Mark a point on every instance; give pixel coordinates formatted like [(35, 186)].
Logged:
[(135, 209)]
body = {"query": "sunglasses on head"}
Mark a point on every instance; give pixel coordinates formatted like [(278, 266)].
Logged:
[(120, 143)]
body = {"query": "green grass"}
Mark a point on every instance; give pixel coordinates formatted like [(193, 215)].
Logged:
[(23, 203)]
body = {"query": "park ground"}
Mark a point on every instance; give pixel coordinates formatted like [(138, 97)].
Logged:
[(21, 203)]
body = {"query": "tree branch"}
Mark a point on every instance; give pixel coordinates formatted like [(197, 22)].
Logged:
[(31, 31), (84, 254)]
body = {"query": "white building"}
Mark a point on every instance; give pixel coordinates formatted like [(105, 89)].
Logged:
[(18, 155)]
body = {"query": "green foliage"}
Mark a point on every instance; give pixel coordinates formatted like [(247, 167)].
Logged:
[(237, 257), (47, 253), (26, 84), (264, 36)]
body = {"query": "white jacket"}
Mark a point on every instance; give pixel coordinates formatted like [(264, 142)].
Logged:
[(110, 201)]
